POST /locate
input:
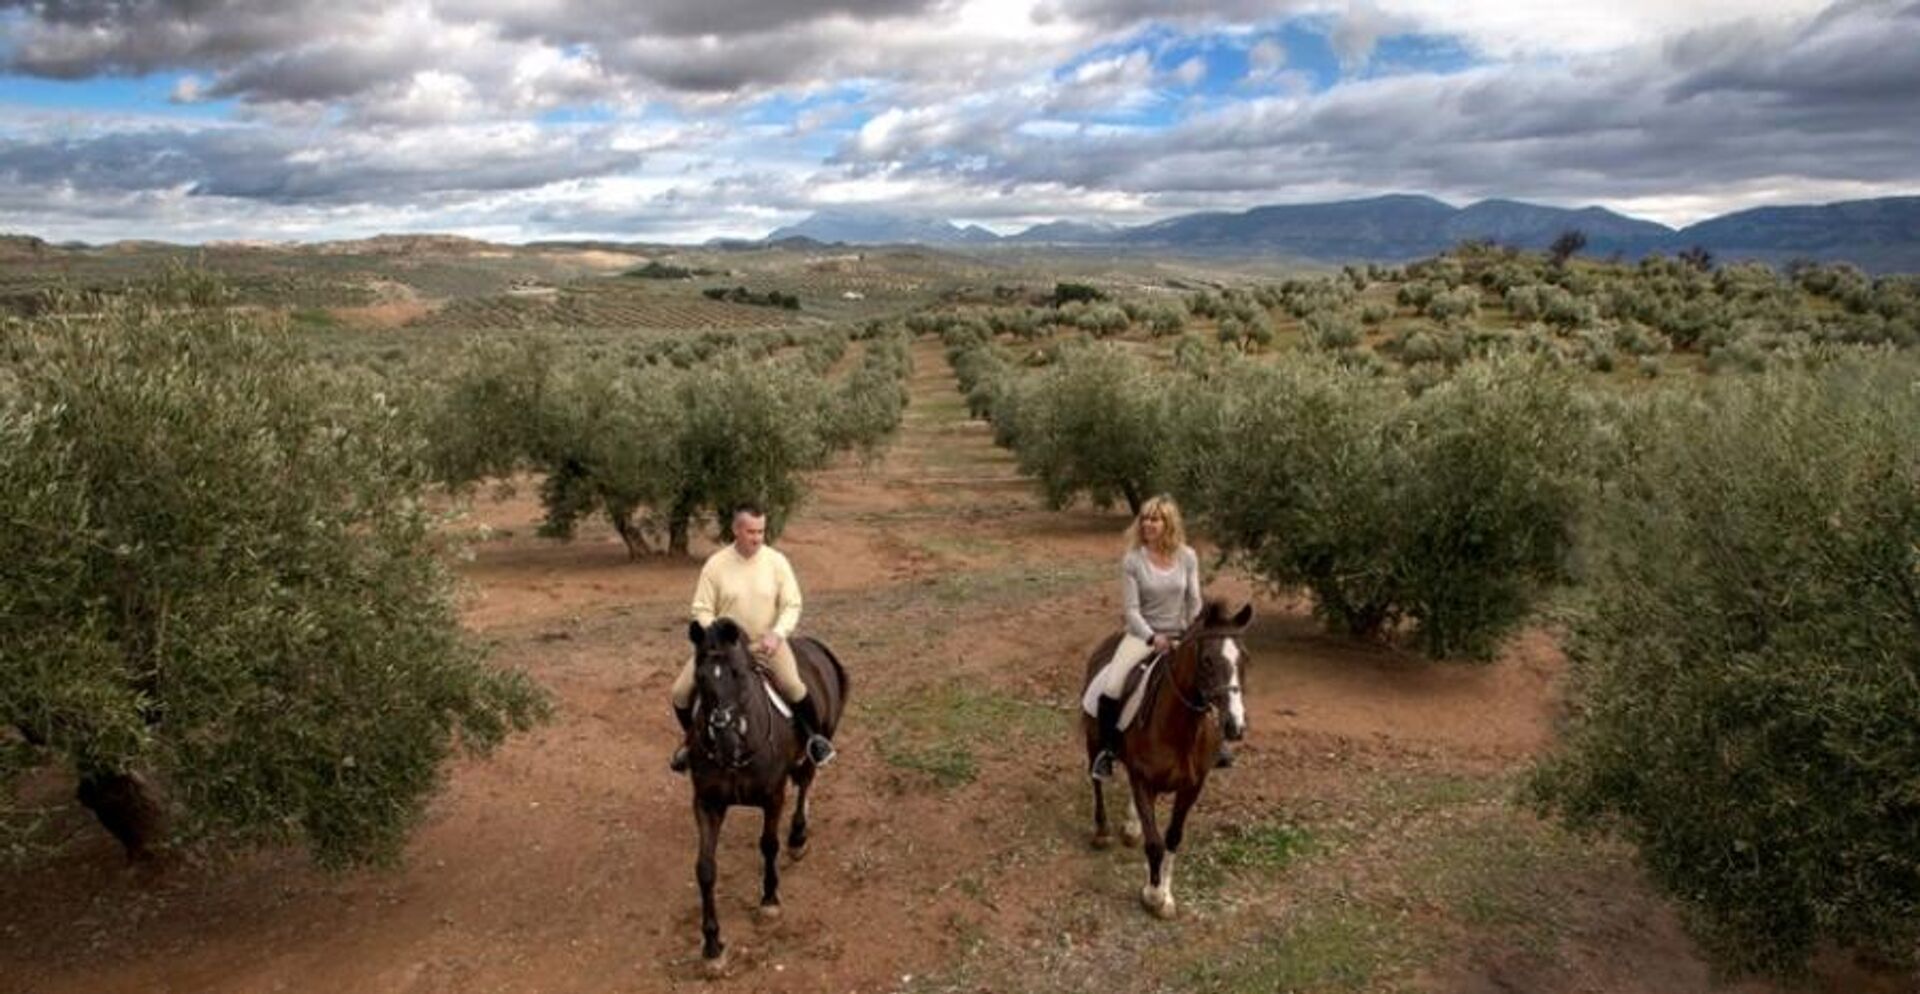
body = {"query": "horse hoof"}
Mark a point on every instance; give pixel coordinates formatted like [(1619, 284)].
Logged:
[(767, 912), (1131, 836), (1103, 841), (1152, 900), (797, 853), (716, 967)]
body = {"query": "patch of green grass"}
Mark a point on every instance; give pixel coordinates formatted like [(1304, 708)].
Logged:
[(1266, 847), (1016, 582), (941, 732), (941, 405), (1426, 793), (1263, 849), (1502, 872), (964, 545), (312, 319), (1325, 949), (960, 459), (947, 764), (1471, 865)]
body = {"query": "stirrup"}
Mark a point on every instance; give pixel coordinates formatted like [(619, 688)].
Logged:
[(680, 761), (1102, 766), (820, 750)]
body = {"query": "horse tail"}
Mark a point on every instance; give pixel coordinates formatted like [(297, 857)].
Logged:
[(840, 671), (842, 682)]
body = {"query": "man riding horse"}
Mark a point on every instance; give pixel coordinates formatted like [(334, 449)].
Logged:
[(752, 583)]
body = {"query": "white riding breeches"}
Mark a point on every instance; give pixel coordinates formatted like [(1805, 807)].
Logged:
[(1112, 678)]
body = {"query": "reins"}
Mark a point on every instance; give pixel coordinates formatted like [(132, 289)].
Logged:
[(1205, 706), (751, 711)]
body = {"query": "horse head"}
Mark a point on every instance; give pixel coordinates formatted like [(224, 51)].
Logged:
[(723, 681), (1215, 635)]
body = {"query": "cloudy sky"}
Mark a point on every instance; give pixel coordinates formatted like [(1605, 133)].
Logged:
[(678, 120)]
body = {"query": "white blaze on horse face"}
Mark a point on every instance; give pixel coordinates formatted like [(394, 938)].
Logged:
[(1236, 708)]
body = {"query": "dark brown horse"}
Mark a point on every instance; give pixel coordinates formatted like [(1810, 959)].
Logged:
[(744, 752), (1169, 747)]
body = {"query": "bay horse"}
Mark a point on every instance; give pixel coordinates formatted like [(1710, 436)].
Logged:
[(744, 752), (1170, 745)]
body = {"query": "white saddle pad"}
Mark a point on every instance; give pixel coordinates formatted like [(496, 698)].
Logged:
[(779, 703), (1139, 695)]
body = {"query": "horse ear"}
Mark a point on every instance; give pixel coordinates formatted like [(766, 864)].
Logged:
[(1210, 617), (726, 632), (696, 634), (1244, 616)]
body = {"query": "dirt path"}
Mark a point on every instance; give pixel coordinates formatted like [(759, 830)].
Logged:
[(949, 840)]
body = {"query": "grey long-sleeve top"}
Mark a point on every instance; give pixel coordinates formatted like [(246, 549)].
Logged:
[(1157, 600)]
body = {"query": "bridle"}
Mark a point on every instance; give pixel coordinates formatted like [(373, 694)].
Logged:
[(1205, 706), (727, 711)]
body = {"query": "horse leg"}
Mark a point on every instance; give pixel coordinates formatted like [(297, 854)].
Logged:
[(1176, 830), (770, 853), (1130, 829), (1102, 836), (712, 949), (797, 834), (1154, 896)]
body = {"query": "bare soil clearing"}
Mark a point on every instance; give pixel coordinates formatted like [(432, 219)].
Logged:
[(949, 848)]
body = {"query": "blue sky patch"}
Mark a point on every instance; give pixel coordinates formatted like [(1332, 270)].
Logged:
[(146, 96)]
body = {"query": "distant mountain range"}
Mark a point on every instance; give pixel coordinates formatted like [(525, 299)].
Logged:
[(1881, 235), (876, 227)]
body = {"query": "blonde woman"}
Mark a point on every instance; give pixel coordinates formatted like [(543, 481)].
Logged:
[(1160, 596)]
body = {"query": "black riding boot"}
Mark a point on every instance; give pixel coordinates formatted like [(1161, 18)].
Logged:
[(807, 719), (1109, 722), (678, 763)]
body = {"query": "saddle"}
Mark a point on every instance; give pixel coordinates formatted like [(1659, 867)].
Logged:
[(1134, 690), (773, 693)]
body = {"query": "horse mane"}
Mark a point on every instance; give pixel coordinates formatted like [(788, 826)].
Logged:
[(724, 631)]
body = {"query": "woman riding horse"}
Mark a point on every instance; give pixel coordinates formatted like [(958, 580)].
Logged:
[(1170, 746), (1160, 594)]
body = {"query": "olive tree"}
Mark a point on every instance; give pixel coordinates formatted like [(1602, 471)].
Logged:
[(746, 432), (1744, 705), (1449, 511), (224, 608), (1095, 424)]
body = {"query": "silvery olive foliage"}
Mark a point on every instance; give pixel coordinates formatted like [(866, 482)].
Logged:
[(222, 586), (1745, 705)]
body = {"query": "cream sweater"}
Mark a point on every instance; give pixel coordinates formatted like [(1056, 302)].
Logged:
[(760, 594)]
